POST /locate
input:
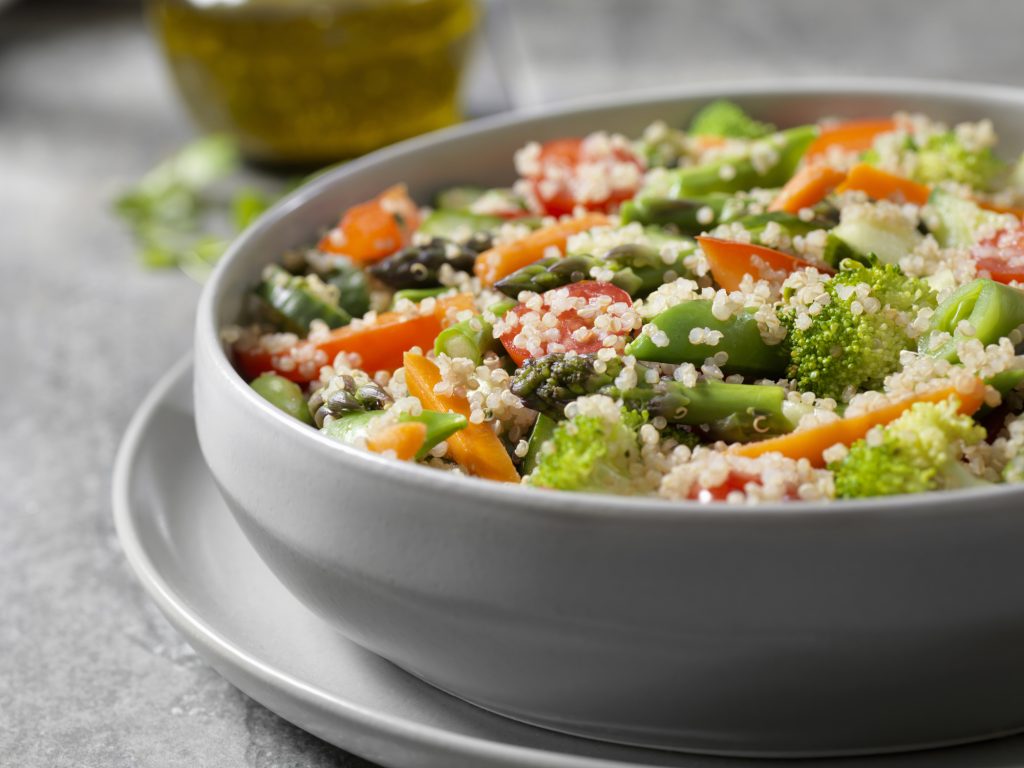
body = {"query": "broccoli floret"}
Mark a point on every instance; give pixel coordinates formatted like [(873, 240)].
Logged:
[(922, 450), (944, 157), (597, 452), (723, 118), (856, 339), (549, 383)]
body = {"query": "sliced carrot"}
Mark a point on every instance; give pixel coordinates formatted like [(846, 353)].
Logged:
[(882, 185), (503, 260), (380, 345), (377, 228), (476, 448), (812, 443), (851, 136), (449, 307), (1018, 212), (405, 439), (730, 261), (808, 187)]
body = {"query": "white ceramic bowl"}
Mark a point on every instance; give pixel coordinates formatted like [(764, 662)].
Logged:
[(792, 629)]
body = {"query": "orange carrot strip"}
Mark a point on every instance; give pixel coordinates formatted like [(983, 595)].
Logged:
[(404, 439), (812, 443), (730, 261), (448, 308), (476, 448), (503, 260), (381, 344), (808, 186), (852, 136), (882, 185)]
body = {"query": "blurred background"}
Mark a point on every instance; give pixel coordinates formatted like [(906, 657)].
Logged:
[(96, 94)]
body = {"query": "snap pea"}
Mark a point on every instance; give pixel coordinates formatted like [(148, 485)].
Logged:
[(736, 174), (295, 304), (748, 352), (993, 310), (542, 431), (689, 216), (283, 394), (474, 337), (418, 294)]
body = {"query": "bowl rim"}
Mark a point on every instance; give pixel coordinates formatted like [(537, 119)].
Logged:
[(210, 351)]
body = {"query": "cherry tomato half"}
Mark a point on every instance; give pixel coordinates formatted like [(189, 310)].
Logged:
[(573, 330), (1002, 255), (597, 173)]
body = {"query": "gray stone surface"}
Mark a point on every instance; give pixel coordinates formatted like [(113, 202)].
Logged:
[(90, 673)]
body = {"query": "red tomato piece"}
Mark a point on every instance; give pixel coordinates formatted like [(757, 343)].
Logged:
[(598, 173), (1002, 255), (574, 327), (736, 481), (377, 228)]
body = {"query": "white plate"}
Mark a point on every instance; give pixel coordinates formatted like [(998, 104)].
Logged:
[(199, 568)]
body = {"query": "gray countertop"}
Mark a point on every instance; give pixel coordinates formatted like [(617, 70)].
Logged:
[(90, 673)]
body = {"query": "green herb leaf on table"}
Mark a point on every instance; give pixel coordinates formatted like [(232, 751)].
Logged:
[(184, 211)]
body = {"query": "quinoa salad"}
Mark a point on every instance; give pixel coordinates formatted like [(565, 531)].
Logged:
[(724, 311)]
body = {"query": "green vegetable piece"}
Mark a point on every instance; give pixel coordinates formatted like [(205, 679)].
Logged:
[(838, 250), (748, 353), (543, 430), (993, 310), (791, 225), (922, 450), (440, 426), (738, 412), (846, 348), (726, 119), (247, 206), (944, 157), (736, 174), (890, 238), (467, 338), (1006, 381), (458, 198), (733, 412), (593, 453), (167, 210), (689, 216), (296, 304), (637, 269), (417, 295), (353, 287), (451, 224), (500, 308), (954, 220), (282, 394)]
